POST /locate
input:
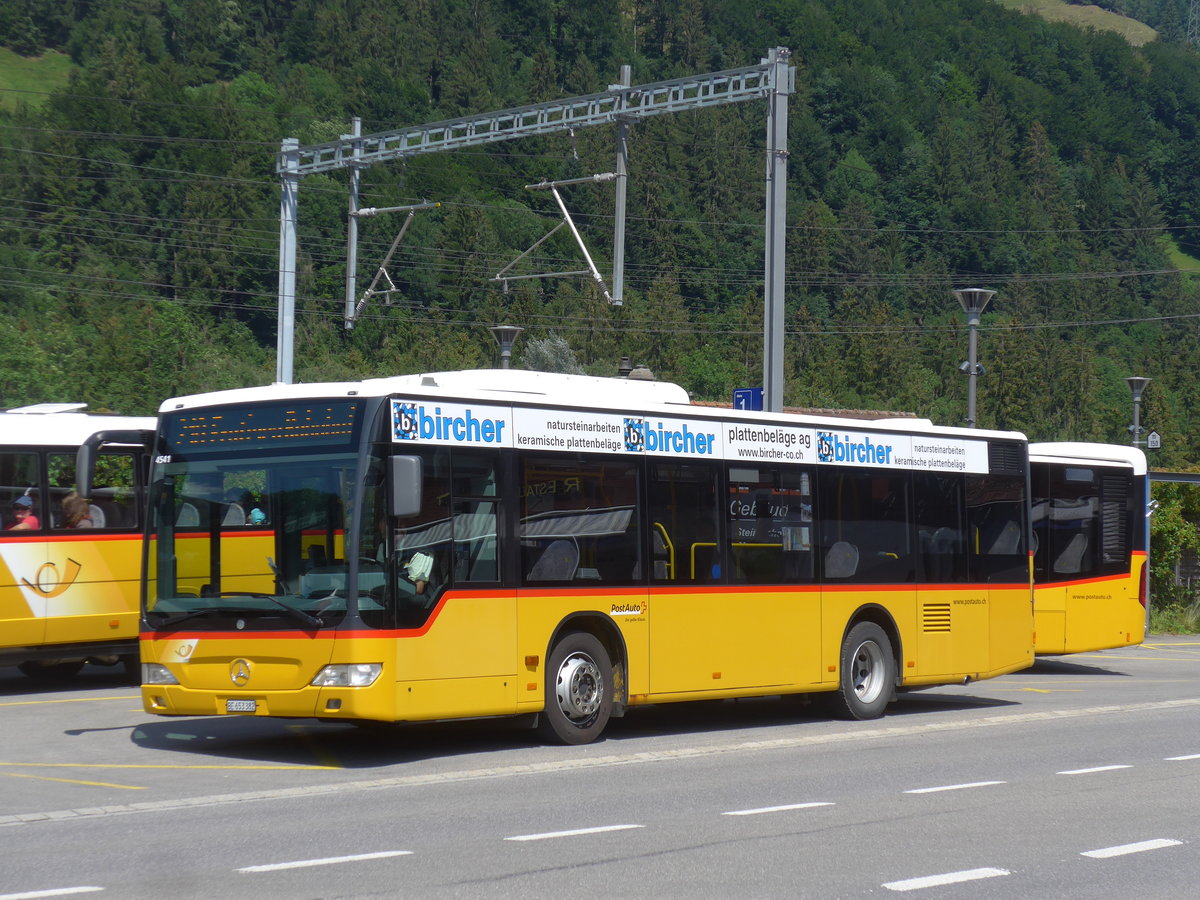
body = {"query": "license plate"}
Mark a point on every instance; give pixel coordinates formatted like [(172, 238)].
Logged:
[(241, 706)]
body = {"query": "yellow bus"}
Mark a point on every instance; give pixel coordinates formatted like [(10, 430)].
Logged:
[(69, 566), (1092, 540), (513, 543)]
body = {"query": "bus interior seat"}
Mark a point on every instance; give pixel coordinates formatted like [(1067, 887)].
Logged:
[(1070, 561), (1007, 542), (99, 519), (557, 563), (188, 517), (841, 561), (661, 556)]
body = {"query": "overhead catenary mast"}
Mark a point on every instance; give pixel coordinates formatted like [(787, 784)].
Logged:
[(772, 79)]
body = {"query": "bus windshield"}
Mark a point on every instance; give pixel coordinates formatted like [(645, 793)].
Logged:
[(254, 541)]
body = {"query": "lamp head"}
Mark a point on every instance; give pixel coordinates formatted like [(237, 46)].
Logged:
[(974, 300), (1137, 384)]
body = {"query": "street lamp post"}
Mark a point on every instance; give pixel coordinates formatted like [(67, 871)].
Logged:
[(506, 336), (1137, 384), (974, 301)]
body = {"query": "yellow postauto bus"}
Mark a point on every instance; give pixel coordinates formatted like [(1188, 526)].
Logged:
[(1091, 537), (70, 563), (508, 543)]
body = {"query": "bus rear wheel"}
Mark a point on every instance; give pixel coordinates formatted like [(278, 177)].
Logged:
[(579, 691), (868, 674)]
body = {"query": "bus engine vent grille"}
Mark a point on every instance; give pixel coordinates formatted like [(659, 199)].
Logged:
[(935, 618), (1006, 458)]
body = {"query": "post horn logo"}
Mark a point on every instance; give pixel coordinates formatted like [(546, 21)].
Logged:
[(239, 672), (46, 582)]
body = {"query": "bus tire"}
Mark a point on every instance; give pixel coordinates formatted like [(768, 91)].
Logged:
[(579, 690), (868, 674)]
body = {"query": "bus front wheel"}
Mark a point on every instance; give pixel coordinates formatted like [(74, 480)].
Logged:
[(868, 674), (579, 690)]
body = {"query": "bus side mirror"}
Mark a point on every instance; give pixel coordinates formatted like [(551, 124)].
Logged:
[(404, 498), (89, 448)]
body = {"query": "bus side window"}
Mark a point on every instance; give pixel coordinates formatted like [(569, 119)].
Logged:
[(995, 517), (865, 511), (1074, 521), (770, 524), (940, 514), (473, 483), (429, 533), (578, 522), (19, 481), (684, 512)]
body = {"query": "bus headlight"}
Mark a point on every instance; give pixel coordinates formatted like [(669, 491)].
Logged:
[(348, 675), (153, 673)]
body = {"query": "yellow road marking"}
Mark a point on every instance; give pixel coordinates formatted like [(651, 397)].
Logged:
[(124, 787), (32, 765), (68, 700), (1033, 690)]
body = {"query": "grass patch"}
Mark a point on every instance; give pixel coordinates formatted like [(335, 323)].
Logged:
[(28, 79), (1135, 32), (1175, 618), (1180, 259)]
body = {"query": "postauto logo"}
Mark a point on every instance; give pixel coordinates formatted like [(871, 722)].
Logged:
[(417, 422), (846, 449)]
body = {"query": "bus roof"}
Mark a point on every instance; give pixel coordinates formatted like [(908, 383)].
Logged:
[(1065, 452), (521, 386), (61, 425)]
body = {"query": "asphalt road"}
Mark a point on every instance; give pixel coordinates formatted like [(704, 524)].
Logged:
[(1079, 777)]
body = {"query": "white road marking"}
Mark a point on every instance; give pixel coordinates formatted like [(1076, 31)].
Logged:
[(53, 892), (1091, 770), (1181, 758), (771, 809), (550, 835), (954, 787), (327, 861), (1140, 847), (928, 881)]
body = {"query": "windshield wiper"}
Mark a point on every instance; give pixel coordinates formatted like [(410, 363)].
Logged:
[(180, 618), (297, 615)]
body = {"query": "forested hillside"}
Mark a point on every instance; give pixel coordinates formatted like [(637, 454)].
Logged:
[(932, 146)]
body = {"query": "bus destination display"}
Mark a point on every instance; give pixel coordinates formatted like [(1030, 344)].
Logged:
[(261, 426)]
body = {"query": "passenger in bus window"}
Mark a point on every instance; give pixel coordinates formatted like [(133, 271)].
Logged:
[(23, 517), (77, 512)]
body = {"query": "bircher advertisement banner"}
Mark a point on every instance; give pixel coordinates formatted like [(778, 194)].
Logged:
[(947, 455), (588, 432), (568, 430), (453, 424), (901, 451), (768, 442), (581, 431)]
